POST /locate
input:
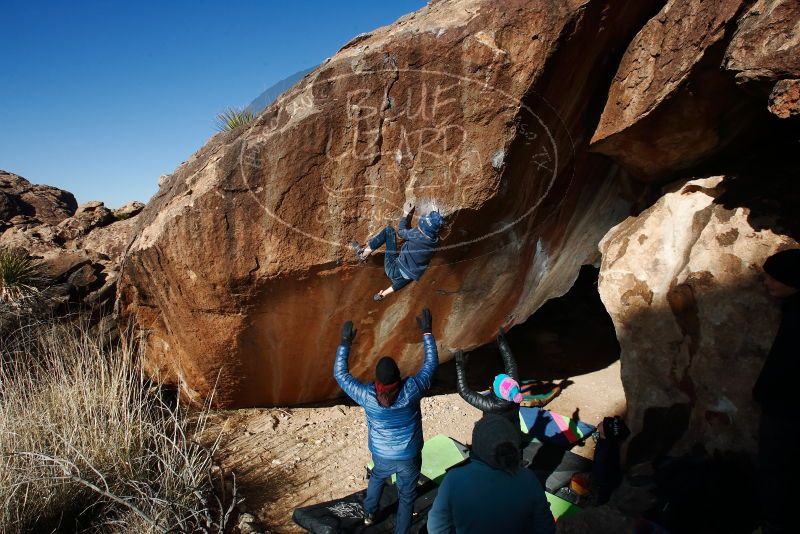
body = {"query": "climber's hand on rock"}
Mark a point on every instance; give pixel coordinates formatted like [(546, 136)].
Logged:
[(425, 322), (348, 333)]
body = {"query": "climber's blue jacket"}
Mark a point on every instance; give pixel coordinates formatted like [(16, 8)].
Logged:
[(395, 432), (416, 252)]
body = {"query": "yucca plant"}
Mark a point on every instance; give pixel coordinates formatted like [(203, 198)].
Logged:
[(19, 275), (232, 118)]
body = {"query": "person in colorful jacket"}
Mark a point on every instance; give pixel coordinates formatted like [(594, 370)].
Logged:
[(394, 419), (412, 260)]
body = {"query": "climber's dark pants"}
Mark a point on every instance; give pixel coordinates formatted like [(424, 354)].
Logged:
[(407, 472), (388, 237)]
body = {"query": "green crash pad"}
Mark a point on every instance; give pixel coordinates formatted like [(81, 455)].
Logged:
[(560, 507), (439, 454)]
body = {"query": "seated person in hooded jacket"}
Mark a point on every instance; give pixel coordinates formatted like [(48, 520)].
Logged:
[(491, 493), (412, 260), (504, 397), (394, 420)]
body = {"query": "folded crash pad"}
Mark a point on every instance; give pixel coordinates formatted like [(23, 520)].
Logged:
[(538, 392), (552, 427), (346, 515), (561, 508)]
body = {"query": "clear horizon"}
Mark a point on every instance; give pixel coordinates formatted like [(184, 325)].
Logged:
[(101, 99)]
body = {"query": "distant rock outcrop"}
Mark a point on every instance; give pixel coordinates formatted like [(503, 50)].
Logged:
[(20, 198), (79, 247)]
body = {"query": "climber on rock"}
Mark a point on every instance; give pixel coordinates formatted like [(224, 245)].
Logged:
[(394, 420), (412, 260), (505, 396)]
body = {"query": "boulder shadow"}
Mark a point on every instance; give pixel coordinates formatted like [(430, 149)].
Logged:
[(568, 336)]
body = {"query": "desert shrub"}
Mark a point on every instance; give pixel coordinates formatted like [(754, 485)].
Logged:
[(232, 118), (86, 442), (20, 276)]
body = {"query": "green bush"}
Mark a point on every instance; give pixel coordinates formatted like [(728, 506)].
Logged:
[(86, 442), (232, 118), (20, 276)]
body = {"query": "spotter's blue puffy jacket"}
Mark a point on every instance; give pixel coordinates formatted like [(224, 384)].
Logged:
[(395, 432)]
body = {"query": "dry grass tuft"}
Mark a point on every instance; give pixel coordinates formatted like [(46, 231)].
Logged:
[(87, 443)]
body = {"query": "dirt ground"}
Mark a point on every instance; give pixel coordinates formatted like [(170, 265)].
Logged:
[(284, 458)]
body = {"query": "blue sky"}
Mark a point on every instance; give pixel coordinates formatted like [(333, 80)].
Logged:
[(101, 98)]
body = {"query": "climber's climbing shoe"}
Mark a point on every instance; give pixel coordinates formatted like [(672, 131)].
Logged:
[(378, 297), (359, 250)]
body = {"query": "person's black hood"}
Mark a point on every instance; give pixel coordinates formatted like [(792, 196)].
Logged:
[(494, 439)]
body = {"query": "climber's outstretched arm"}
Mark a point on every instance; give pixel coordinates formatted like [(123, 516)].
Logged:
[(473, 398), (355, 390), (509, 363), (425, 375), (403, 227)]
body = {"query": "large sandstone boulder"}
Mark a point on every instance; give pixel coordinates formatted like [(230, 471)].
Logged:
[(682, 284), (670, 104), (241, 272)]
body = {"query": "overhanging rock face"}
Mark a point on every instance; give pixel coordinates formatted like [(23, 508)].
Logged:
[(241, 273), (670, 104)]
